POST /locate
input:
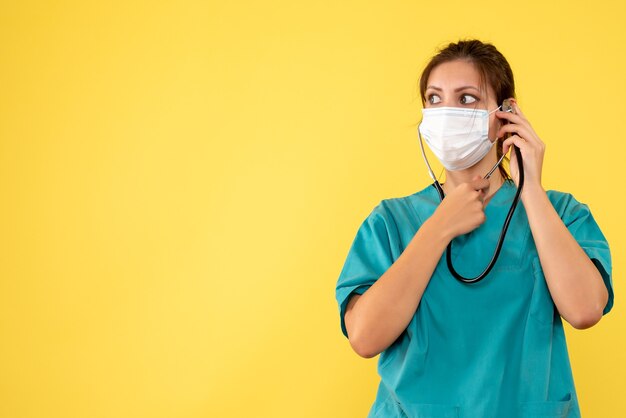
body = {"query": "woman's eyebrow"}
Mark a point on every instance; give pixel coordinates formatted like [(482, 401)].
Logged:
[(456, 89)]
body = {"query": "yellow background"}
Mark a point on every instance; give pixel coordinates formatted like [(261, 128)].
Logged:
[(180, 183)]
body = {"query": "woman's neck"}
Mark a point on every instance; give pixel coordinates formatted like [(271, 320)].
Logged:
[(455, 178)]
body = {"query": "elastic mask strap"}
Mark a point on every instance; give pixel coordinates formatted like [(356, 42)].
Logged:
[(496, 109)]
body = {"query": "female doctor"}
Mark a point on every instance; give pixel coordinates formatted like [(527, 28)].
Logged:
[(494, 347)]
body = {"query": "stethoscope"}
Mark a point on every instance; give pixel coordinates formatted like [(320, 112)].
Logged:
[(507, 107)]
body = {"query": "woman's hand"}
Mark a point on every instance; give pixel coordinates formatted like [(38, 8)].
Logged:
[(463, 209), (529, 144)]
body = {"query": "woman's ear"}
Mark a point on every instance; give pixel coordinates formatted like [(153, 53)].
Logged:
[(497, 126)]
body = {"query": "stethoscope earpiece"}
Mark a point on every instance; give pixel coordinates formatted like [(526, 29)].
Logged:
[(507, 106)]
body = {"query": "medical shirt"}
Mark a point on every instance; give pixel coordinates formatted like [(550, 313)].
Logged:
[(495, 348)]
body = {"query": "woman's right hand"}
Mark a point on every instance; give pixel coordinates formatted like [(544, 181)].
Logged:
[(463, 209)]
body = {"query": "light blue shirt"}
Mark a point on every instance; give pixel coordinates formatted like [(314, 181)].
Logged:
[(495, 348)]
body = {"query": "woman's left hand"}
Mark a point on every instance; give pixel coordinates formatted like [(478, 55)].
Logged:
[(529, 144)]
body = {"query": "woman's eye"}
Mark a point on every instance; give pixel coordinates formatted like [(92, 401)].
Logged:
[(434, 99), (467, 99)]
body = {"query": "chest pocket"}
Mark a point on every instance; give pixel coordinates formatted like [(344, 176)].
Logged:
[(549, 409), (391, 408)]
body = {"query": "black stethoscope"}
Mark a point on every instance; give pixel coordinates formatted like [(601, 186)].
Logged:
[(506, 106)]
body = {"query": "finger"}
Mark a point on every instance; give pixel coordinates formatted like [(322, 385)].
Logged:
[(520, 119), (512, 159), (476, 183), (525, 133), (514, 140), (517, 109), (480, 184), (506, 145), (511, 117), (521, 131)]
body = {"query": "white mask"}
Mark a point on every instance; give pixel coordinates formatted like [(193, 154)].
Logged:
[(458, 137)]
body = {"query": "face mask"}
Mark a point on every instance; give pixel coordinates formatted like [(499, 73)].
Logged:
[(458, 137)]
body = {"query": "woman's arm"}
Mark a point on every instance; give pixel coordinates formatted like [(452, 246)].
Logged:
[(575, 283), (375, 319)]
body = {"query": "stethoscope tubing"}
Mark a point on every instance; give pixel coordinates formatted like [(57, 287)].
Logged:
[(507, 220)]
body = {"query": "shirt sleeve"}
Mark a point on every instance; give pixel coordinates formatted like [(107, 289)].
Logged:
[(369, 256), (581, 224)]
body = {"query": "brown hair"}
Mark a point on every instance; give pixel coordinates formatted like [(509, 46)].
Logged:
[(492, 67)]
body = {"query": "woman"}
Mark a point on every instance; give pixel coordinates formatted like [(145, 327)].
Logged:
[(496, 347)]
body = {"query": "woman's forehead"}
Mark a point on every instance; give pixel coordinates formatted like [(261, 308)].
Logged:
[(454, 74)]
